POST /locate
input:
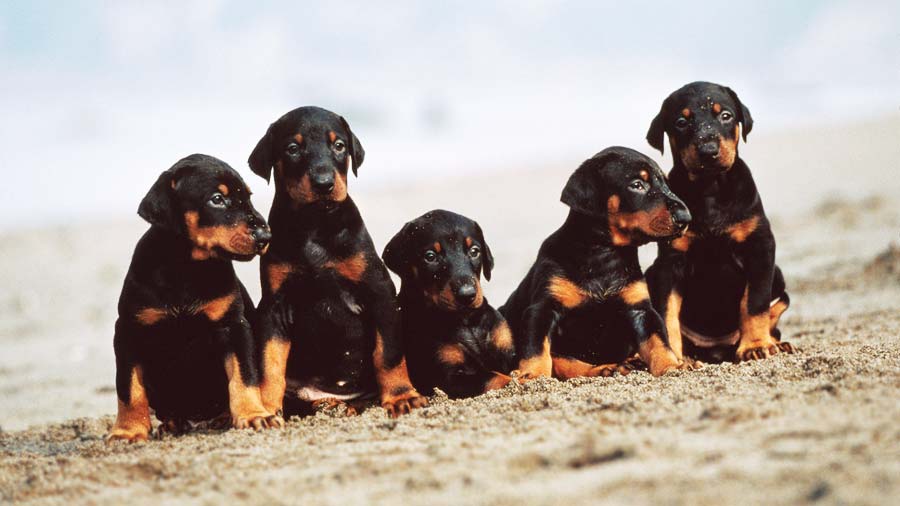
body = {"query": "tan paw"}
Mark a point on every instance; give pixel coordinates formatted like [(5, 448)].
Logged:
[(129, 435), (403, 403)]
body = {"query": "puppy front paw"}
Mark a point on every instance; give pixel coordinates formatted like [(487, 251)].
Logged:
[(134, 434), (402, 403), (257, 420)]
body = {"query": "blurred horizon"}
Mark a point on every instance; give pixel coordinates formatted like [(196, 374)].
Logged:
[(100, 97)]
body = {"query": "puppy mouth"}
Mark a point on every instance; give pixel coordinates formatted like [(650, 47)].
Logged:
[(663, 227)]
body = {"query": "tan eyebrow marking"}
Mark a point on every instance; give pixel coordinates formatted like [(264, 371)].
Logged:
[(332, 136), (717, 108), (645, 175), (223, 189), (299, 138), (686, 112)]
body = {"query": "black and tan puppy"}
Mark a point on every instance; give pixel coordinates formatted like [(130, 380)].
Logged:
[(454, 339), (718, 285), (329, 325), (183, 340), (585, 302)]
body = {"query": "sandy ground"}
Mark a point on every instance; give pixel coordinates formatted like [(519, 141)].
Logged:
[(819, 426)]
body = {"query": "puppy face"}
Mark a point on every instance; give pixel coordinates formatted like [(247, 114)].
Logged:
[(703, 122), (311, 151), (206, 201), (626, 192), (442, 255)]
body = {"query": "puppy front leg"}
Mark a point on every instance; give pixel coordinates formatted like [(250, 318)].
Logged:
[(648, 330), (274, 348), (133, 417), (534, 346), (398, 396), (244, 401), (757, 254), (663, 279)]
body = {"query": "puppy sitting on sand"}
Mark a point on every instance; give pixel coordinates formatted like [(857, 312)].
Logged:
[(583, 309), (454, 339), (183, 340), (718, 286)]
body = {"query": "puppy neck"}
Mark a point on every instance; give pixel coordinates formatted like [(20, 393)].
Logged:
[(591, 232), (174, 247)]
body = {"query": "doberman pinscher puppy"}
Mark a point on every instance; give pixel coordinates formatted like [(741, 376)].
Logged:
[(454, 339), (183, 340), (329, 326), (717, 285), (585, 301)]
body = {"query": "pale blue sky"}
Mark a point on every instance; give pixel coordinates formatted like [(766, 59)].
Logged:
[(100, 97)]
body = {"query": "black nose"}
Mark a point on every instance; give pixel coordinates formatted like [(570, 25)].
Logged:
[(263, 236), (709, 149), (681, 217), (466, 294), (322, 182)]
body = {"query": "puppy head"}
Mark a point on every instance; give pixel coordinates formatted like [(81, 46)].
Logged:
[(442, 255), (703, 121), (311, 150), (627, 192), (203, 199)]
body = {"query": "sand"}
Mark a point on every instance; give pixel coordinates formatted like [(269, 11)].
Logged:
[(820, 426)]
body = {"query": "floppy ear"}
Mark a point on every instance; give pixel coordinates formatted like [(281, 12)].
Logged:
[(394, 255), (356, 149), (580, 193), (261, 159), (488, 256), (655, 135), (743, 114), (159, 205)]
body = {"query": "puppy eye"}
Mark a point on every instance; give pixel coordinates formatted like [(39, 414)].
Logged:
[(339, 146), (638, 185), (430, 256), (681, 122), (218, 200), (293, 149), (474, 252), (726, 116)]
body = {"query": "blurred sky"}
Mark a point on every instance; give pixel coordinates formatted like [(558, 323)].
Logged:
[(98, 97)]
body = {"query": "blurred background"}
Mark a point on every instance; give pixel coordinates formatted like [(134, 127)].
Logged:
[(484, 108), (99, 97)]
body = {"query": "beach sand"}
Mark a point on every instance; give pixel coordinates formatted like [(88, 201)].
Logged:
[(820, 426)]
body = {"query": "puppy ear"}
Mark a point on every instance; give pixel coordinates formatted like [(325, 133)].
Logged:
[(261, 159), (159, 205), (488, 264), (394, 255), (743, 114), (580, 193), (356, 149), (655, 135)]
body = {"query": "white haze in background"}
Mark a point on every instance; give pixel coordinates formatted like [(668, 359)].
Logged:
[(98, 98)]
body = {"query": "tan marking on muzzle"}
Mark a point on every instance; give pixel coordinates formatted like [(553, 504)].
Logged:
[(236, 239)]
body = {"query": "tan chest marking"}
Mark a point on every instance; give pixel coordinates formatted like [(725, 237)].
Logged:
[(635, 293), (739, 232), (352, 268), (452, 354), (214, 310), (567, 293), (278, 273), (502, 337)]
